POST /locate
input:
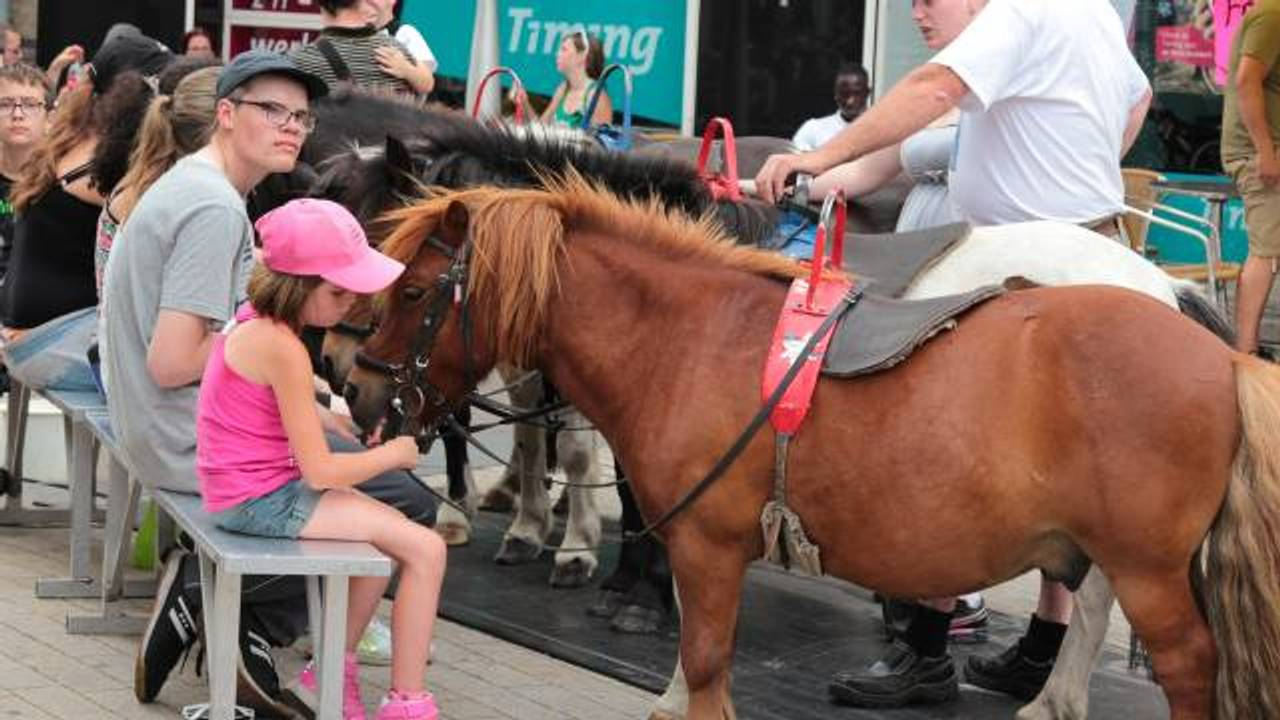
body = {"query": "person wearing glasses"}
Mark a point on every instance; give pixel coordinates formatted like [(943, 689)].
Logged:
[(24, 107), (177, 270)]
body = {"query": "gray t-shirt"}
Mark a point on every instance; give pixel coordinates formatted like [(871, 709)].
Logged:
[(187, 246)]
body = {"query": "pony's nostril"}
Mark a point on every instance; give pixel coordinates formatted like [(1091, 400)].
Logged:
[(326, 367), (350, 393)]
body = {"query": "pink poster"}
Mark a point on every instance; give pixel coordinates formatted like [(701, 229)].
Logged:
[(1226, 19), (1183, 44)]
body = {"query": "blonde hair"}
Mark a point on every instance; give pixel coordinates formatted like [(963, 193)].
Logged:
[(281, 296), (70, 126), (175, 125)]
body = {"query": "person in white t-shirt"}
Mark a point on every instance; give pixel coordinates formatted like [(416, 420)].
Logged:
[(853, 87), (1050, 98)]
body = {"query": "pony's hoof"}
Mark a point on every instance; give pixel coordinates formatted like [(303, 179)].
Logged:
[(515, 551), (637, 620), (499, 499), (454, 535), (5, 479), (572, 574), (607, 604)]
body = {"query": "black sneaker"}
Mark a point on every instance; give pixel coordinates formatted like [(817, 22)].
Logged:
[(171, 631), (900, 678), (257, 684), (1010, 672)]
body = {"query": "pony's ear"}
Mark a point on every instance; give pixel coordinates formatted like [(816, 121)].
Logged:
[(453, 227), (399, 164)]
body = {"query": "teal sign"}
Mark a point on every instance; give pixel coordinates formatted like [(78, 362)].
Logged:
[(646, 36)]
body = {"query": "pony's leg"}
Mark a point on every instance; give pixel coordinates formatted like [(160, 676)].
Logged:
[(1066, 695), (576, 450), (533, 521), (1166, 617), (710, 578), (454, 526), (528, 394), (674, 703)]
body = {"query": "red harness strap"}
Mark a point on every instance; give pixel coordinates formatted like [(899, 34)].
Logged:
[(516, 86), (724, 185), (808, 304)]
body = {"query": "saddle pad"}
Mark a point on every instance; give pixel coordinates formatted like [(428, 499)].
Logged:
[(879, 332), (887, 263)]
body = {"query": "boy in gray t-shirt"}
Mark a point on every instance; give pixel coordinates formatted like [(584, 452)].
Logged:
[(188, 247)]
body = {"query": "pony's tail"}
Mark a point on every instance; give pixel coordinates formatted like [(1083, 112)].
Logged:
[(1193, 303), (1242, 555)]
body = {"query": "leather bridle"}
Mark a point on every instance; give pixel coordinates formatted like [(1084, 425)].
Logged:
[(412, 392)]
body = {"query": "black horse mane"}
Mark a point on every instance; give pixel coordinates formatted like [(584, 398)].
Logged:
[(373, 152)]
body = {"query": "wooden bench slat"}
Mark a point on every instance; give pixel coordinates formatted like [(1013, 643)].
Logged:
[(253, 555)]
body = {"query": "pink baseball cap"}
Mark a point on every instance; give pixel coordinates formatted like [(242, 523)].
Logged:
[(319, 237)]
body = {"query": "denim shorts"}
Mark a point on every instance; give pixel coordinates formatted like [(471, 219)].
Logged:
[(281, 513)]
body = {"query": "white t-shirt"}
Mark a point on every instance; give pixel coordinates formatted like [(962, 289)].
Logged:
[(417, 46), (817, 131), (1051, 86)]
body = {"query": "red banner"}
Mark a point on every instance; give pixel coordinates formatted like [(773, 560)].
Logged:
[(280, 6), (244, 37)]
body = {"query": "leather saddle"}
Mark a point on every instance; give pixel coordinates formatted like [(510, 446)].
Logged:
[(879, 332)]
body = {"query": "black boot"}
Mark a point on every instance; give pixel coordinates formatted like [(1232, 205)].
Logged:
[(915, 670), (1022, 669)]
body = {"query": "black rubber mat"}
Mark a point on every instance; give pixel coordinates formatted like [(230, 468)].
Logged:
[(793, 634)]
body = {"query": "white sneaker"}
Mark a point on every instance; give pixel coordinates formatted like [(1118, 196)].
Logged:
[(375, 644)]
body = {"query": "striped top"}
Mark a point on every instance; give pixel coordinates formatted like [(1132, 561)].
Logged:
[(356, 47)]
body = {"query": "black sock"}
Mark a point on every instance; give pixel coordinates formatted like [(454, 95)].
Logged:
[(927, 634), (1042, 640)]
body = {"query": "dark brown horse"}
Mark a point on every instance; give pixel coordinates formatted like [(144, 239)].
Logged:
[(1051, 428)]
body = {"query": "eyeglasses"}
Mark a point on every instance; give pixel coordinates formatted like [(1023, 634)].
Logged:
[(279, 115), (29, 106)]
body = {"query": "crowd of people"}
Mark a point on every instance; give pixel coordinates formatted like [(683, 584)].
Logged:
[(129, 265)]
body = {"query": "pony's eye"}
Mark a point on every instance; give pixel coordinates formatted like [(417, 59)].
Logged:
[(413, 294)]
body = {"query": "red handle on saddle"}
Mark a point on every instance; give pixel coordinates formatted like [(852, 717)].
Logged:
[(834, 204), (724, 186), (516, 85)]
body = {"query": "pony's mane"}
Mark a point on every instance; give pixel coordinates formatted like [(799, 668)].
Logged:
[(517, 237)]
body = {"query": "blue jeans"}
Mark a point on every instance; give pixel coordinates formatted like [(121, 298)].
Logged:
[(281, 513), (53, 356)]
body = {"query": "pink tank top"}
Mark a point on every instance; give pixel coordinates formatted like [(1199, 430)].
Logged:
[(242, 451)]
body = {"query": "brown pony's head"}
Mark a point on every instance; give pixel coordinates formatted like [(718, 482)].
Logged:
[(458, 259)]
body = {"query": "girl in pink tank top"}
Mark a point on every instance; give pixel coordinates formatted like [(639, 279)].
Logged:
[(264, 465)]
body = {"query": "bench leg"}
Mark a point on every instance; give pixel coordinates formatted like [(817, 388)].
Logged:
[(122, 507), (80, 583), (315, 616), (19, 398), (333, 637), (221, 591)]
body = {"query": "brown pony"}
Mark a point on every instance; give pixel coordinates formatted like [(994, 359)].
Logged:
[(1051, 428)]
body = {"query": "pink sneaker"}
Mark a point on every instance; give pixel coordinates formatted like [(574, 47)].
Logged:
[(402, 706), (303, 694)]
